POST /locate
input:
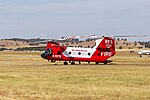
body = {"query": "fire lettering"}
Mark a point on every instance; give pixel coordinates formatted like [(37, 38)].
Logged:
[(56, 56), (106, 53)]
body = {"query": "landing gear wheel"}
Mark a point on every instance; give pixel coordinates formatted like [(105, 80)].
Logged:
[(140, 55), (105, 62), (53, 61), (96, 63), (65, 63), (72, 63)]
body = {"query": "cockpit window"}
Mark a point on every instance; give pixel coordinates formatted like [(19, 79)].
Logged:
[(48, 52)]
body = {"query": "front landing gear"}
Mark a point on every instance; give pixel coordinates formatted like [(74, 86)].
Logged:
[(65, 63), (72, 63)]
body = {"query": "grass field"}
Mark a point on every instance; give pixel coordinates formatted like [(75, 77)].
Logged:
[(26, 76)]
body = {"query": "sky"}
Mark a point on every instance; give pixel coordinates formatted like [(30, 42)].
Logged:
[(57, 18)]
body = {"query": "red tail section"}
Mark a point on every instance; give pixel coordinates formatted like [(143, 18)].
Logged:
[(107, 44), (105, 48)]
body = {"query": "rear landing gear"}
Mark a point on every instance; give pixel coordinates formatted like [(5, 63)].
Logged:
[(96, 63), (140, 55), (105, 62)]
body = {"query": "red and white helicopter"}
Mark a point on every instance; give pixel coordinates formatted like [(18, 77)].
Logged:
[(103, 49)]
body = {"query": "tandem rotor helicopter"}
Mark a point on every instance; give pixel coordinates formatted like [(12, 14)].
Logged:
[(103, 49)]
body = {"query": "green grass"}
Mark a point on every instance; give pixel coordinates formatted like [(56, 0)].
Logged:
[(26, 76)]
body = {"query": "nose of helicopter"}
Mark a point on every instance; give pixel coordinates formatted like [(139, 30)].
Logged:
[(43, 55), (47, 53)]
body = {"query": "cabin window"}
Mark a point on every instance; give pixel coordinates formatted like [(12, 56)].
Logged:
[(79, 53), (59, 52), (89, 54), (69, 53)]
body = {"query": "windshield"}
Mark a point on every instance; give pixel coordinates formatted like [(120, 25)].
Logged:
[(48, 51)]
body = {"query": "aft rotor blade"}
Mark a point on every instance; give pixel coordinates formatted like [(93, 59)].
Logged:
[(131, 36)]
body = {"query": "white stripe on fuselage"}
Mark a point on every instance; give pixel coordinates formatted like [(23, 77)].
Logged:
[(81, 52)]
